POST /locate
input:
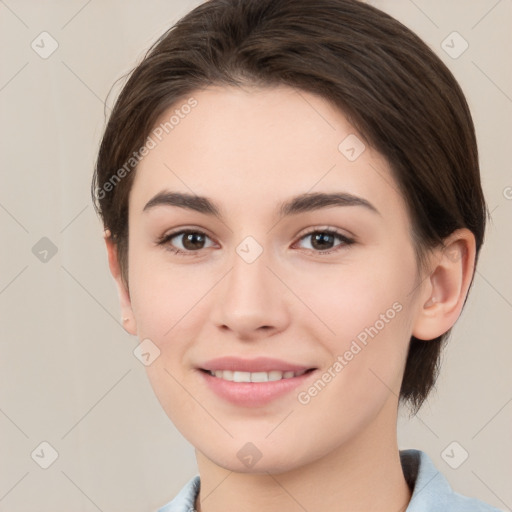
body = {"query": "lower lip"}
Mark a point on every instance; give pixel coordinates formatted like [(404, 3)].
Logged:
[(253, 394)]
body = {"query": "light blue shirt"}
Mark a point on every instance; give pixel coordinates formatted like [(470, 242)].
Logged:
[(431, 492)]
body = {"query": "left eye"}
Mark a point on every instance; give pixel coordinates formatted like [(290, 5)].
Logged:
[(322, 240)]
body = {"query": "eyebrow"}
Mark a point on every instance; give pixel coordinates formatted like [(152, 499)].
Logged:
[(299, 204)]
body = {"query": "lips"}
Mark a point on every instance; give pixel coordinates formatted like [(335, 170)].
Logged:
[(260, 364), (253, 382)]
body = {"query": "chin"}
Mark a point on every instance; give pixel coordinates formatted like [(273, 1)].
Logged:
[(250, 459)]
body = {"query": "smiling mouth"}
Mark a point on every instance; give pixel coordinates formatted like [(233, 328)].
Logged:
[(241, 376)]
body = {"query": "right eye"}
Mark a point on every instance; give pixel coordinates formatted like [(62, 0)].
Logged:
[(192, 241)]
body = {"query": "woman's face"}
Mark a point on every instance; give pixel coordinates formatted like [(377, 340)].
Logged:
[(265, 285)]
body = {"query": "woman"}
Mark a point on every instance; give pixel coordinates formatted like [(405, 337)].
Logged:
[(293, 215)]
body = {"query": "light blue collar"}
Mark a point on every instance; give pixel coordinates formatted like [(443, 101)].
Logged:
[(431, 492)]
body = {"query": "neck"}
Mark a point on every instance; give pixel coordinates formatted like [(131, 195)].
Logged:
[(363, 475)]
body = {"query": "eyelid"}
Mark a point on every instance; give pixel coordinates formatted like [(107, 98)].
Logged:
[(181, 229), (330, 229)]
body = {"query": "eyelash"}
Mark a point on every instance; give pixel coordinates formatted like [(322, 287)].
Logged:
[(166, 238)]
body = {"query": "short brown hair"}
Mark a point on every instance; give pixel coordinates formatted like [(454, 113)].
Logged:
[(395, 91)]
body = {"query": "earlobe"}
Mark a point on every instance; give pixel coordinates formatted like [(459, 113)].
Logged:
[(127, 315), (446, 287)]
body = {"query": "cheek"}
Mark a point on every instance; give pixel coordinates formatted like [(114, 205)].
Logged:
[(363, 317), (163, 295), (340, 301), (364, 373)]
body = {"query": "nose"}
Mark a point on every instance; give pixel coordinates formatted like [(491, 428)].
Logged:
[(251, 300)]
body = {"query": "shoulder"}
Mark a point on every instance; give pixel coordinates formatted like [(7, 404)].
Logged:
[(185, 500), (431, 491)]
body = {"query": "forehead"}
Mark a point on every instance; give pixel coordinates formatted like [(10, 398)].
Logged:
[(254, 147)]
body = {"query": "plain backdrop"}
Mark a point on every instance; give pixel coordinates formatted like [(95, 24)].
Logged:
[(68, 376)]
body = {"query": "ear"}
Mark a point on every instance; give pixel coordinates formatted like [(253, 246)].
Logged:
[(446, 288), (128, 317)]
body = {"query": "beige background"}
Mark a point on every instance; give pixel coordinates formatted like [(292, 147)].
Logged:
[(68, 375)]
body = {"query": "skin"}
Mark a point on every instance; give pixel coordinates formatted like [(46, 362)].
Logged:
[(248, 150)]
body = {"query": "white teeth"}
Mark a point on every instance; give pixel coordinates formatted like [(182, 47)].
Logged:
[(259, 377), (273, 375), (241, 377)]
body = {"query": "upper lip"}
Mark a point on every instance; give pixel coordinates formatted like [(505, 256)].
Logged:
[(259, 364)]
